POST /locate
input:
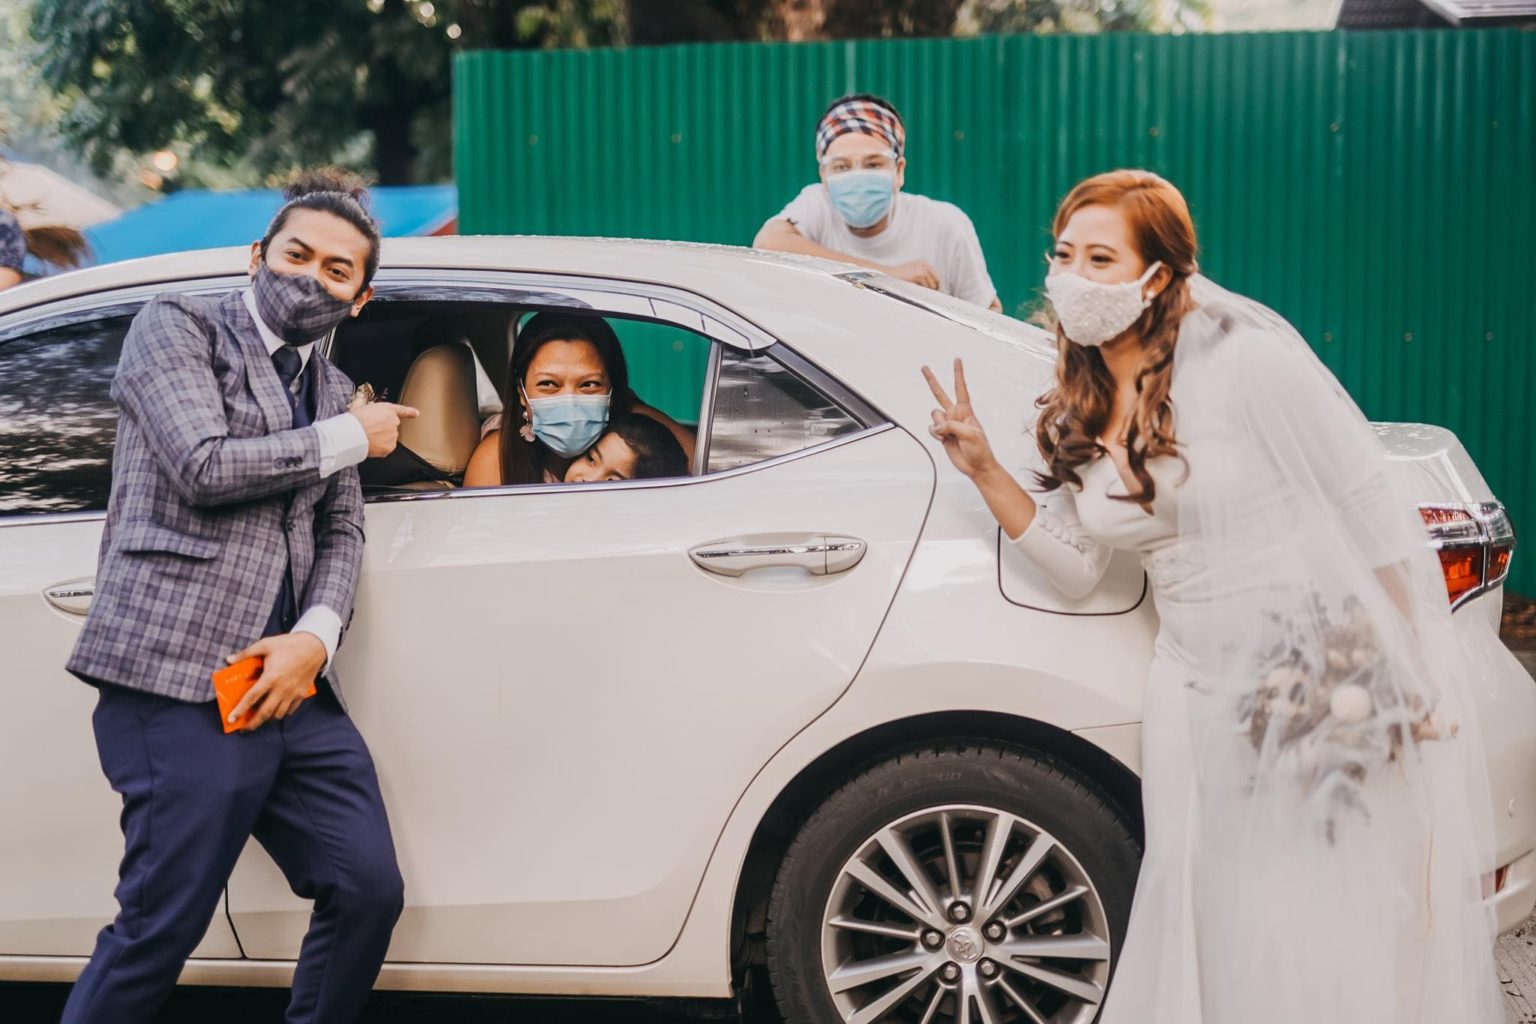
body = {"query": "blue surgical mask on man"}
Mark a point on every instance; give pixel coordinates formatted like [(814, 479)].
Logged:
[(569, 424), (862, 197)]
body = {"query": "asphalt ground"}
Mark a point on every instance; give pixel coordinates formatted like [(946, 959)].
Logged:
[(42, 1004)]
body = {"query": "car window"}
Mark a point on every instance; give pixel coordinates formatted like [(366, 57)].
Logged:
[(764, 409), (57, 418), (449, 359)]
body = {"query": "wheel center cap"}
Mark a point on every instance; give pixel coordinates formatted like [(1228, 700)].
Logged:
[(965, 945)]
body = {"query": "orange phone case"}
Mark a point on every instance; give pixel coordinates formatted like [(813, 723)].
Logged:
[(231, 684)]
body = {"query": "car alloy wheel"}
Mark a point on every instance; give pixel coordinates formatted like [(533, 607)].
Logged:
[(954, 881), (964, 913)]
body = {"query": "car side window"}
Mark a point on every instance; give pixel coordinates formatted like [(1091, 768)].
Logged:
[(764, 409), (448, 356), (57, 419)]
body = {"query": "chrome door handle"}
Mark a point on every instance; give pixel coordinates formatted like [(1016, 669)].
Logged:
[(817, 553), (74, 597)]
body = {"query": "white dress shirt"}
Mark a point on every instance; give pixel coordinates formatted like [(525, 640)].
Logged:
[(343, 443)]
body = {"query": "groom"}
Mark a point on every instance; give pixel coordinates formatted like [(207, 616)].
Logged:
[(235, 529)]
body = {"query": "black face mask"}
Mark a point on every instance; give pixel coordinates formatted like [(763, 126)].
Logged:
[(296, 306)]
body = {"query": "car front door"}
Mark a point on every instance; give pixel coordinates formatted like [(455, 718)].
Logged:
[(566, 688), (60, 843)]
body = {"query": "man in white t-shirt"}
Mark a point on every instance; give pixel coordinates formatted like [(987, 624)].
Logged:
[(858, 213)]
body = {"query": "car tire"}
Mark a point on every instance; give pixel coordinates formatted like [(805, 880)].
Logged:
[(849, 926)]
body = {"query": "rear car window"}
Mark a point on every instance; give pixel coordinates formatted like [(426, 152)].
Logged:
[(57, 419)]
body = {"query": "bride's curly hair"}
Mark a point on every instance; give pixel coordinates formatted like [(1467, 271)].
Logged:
[(1076, 411)]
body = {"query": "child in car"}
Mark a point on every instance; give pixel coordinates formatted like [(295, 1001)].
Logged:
[(633, 447)]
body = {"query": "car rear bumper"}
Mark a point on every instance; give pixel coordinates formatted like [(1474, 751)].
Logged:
[(1513, 903), (1507, 720)]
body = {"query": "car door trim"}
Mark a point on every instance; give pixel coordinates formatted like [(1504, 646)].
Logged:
[(608, 487)]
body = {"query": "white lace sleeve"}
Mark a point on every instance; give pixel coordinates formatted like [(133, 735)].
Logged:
[(1062, 547)]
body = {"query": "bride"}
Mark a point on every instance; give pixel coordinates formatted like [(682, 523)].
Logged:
[(1316, 817)]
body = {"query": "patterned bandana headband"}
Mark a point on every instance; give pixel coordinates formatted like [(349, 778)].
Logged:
[(860, 116)]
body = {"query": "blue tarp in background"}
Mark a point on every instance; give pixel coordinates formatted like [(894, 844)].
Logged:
[(202, 219)]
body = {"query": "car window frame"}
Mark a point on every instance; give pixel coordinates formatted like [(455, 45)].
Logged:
[(637, 300), (668, 304)]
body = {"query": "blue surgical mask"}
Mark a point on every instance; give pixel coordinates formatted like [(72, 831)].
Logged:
[(569, 424), (861, 198)]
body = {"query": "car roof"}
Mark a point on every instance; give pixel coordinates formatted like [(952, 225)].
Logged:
[(691, 265)]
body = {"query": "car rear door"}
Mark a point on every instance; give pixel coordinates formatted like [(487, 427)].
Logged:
[(566, 688)]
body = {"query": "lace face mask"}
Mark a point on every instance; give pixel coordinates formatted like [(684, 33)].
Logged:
[(1093, 313)]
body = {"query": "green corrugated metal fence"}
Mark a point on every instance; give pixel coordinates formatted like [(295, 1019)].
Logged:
[(1379, 189)]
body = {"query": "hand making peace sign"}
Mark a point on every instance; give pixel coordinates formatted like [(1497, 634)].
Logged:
[(956, 425)]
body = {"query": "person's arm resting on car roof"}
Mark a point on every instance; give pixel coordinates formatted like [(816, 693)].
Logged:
[(781, 235)]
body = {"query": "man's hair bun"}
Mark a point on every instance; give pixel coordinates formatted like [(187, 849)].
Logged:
[(327, 179)]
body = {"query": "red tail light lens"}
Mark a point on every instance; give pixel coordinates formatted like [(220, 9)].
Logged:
[(1463, 568), (1475, 544), (1499, 558)]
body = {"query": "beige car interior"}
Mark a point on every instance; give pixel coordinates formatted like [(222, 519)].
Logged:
[(446, 367), (441, 384)]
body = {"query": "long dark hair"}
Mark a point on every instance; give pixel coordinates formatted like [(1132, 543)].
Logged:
[(522, 461), (339, 193), (1075, 412)]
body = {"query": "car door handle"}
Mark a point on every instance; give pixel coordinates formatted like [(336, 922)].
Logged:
[(817, 553), (74, 597)]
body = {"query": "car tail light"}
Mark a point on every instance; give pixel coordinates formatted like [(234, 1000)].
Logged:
[(1475, 543)]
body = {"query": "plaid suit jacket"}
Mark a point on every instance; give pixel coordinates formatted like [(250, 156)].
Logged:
[(207, 477)]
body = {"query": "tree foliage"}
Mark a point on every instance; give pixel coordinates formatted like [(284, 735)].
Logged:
[(1004, 17), (282, 83), (273, 84)]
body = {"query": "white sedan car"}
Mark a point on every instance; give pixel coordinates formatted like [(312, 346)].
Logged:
[(800, 710)]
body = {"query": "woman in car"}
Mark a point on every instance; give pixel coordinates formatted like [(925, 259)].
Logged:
[(566, 379), (1312, 775)]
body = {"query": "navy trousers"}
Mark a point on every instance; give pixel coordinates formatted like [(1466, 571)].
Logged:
[(305, 787)]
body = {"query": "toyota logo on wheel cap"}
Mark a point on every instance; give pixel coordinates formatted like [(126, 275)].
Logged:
[(965, 945)]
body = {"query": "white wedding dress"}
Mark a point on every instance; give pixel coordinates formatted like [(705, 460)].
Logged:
[(1316, 862)]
